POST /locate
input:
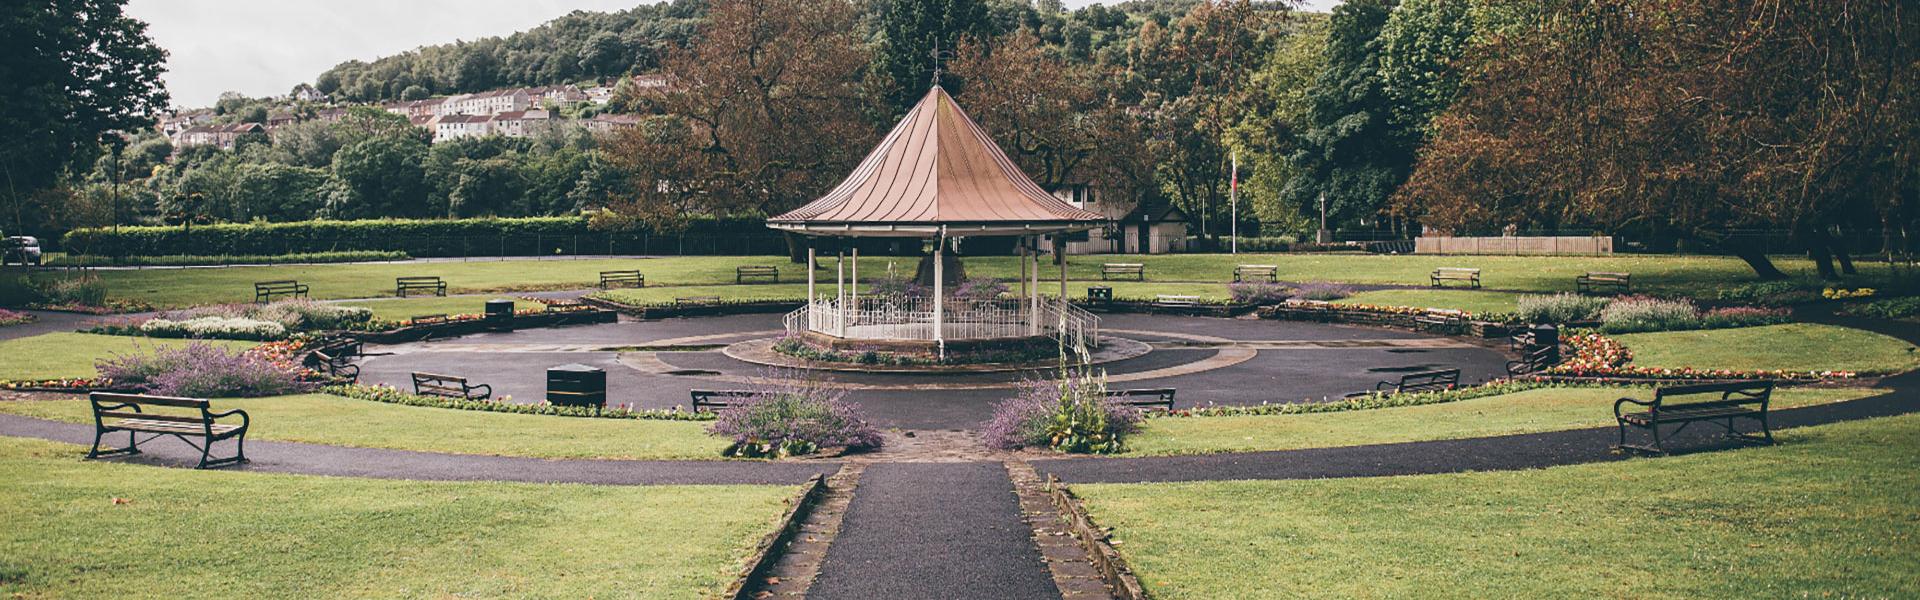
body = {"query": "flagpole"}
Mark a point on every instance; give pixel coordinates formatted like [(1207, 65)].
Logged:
[(1233, 201)]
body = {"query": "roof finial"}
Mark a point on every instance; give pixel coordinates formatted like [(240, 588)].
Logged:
[(939, 55)]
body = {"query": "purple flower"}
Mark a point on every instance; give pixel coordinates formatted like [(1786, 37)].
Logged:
[(199, 369), (791, 417)]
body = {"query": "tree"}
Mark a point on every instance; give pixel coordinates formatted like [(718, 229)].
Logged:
[(1691, 119), (765, 116), (1276, 124), (1194, 77), (78, 70), (908, 33), (383, 176), (1354, 155), (278, 192), (415, 92)]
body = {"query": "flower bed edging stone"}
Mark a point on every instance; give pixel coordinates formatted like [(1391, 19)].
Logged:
[(767, 552)]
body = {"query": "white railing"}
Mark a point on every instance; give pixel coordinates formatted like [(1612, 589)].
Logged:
[(902, 317)]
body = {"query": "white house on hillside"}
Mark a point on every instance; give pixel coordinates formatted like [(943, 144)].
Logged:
[(1138, 228)]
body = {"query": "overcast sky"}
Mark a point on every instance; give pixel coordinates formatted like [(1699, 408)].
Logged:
[(265, 48)]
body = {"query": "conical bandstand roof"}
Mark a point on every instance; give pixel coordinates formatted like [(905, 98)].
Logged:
[(936, 172)]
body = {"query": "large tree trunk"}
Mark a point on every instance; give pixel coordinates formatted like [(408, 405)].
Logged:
[(1843, 253), (796, 247), (1820, 249), (1756, 257)]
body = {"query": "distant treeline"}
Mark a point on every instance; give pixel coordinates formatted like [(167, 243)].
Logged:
[(427, 237)]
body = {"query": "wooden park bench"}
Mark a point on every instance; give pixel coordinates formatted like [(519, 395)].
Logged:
[(696, 301), (1111, 270), (127, 412), (714, 400), (1445, 320), (1535, 359), (1471, 276), (336, 361), (264, 291), (612, 279), (743, 273), (1248, 273), (430, 283), (1173, 301), (1151, 399), (448, 386), (1739, 400), (1593, 281), (1426, 381)]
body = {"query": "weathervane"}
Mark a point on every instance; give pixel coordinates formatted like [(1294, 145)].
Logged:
[(939, 55)]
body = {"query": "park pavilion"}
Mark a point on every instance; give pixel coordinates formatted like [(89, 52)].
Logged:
[(937, 176)]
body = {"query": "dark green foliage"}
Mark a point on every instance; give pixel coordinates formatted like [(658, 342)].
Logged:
[(73, 71), (908, 33), (450, 237), (383, 178), (1355, 154), (581, 46)]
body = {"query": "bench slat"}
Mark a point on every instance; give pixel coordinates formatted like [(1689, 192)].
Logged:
[(114, 414), (113, 398)]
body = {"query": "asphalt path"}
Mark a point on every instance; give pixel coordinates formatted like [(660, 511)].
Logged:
[(934, 530)]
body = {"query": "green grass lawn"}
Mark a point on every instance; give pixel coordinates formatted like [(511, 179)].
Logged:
[(1476, 302), (182, 287), (401, 309), (336, 421), (1834, 512), (1521, 412), (1791, 347), (216, 534), (62, 355)]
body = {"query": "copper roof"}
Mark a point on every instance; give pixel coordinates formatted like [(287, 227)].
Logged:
[(936, 169)]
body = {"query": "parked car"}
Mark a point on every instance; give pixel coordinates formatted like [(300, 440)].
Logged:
[(21, 249)]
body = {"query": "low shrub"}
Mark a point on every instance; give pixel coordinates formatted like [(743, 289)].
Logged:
[(793, 418), (229, 259), (1771, 293), (390, 395), (82, 290), (1640, 313), (214, 327), (1559, 308), (1324, 291), (1891, 308), (9, 317), (203, 370), (242, 321), (979, 289), (1071, 414), (1258, 293), (1743, 316)]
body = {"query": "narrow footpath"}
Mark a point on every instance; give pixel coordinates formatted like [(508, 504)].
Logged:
[(934, 530)]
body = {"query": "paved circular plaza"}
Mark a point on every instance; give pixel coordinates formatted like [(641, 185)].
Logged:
[(653, 364)]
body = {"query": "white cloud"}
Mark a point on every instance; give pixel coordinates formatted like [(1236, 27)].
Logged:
[(265, 48)]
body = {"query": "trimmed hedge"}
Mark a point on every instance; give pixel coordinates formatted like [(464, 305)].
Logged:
[(532, 236), (252, 259)]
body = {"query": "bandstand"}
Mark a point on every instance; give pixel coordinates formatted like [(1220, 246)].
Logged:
[(938, 176)]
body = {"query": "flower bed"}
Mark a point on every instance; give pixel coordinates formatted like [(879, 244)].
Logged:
[(1071, 414), (255, 322), (1600, 357), (800, 348), (9, 317), (389, 395), (1367, 402), (794, 418), (73, 385), (203, 370)]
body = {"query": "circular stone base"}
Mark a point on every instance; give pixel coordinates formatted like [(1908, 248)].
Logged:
[(761, 352)]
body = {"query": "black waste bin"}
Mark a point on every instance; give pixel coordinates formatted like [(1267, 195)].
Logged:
[(1548, 336), (1099, 293), (500, 315), (577, 385)]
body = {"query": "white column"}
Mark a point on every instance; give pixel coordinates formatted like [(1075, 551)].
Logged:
[(840, 292), (940, 294), (1060, 249), (856, 280), (810, 308), (1030, 276)]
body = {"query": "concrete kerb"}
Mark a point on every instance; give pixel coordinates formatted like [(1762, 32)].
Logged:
[(768, 550), (1120, 579)]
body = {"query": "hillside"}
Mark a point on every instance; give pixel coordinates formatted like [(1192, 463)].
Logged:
[(579, 46)]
